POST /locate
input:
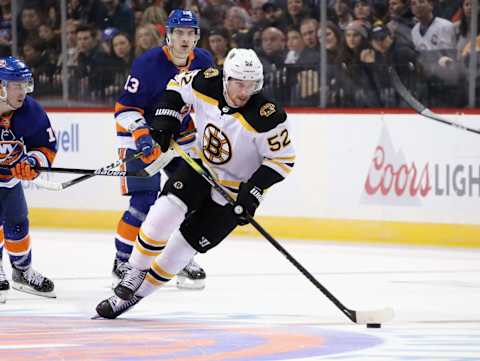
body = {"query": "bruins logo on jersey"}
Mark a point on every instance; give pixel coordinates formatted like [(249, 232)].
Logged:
[(216, 146), (210, 73), (267, 109)]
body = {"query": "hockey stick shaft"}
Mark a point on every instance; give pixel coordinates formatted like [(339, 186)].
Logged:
[(349, 313), (103, 172), (69, 183), (419, 107)]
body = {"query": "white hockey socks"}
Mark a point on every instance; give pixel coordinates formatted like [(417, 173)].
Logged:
[(176, 255), (166, 215)]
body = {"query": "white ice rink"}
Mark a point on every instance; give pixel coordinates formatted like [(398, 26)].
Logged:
[(256, 305)]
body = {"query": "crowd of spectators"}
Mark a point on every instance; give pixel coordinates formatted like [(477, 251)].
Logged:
[(427, 40)]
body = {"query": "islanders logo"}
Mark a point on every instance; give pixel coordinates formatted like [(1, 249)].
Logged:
[(10, 152)]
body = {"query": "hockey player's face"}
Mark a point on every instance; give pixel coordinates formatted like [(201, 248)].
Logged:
[(16, 93), (183, 41), (240, 91)]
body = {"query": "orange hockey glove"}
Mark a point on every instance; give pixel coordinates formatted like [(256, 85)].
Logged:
[(25, 169)]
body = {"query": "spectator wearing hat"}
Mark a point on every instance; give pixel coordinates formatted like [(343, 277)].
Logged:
[(219, 44), (274, 16), (388, 51), (106, 39), (358, 87), (343, 13)]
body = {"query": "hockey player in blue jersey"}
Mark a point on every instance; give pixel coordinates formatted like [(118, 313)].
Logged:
[(27, 141), (145, 84)]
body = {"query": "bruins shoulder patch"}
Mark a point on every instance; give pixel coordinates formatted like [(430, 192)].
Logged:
[(210, 73), (267, 109)]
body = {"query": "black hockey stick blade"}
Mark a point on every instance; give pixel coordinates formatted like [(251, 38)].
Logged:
[(360, 317), (419, 107)]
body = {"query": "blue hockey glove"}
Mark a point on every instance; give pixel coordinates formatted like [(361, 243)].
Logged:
[(144, 142)]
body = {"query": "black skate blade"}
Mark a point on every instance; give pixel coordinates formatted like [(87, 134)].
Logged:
[(25, 289)]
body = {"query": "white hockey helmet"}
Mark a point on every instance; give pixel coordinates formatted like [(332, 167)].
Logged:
[(243, 64)]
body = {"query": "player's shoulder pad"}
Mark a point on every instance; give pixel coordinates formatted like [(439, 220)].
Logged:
[(209, 82), (204, 55), (151, 57), (263, 114)]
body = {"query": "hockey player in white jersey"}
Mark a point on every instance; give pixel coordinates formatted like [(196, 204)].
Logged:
[(243, 140)]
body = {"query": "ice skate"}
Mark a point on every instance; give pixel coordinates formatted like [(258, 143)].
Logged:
[(119, 270), (114, 306), (130, 283), (31, 281), (4, 285), (192, 277)]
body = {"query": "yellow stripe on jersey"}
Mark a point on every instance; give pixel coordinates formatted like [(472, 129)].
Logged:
[(244, 122), (205, 98), (287, 169)]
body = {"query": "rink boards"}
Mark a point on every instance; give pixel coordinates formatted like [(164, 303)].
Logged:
[(377, 177)]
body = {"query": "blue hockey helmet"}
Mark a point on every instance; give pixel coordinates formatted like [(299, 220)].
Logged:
[(180, 18), (13, 69)]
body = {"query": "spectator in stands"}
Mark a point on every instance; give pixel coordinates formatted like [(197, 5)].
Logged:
[(358, 87), (84, 11), (154, 15), (295, 46), (106, 39), (434, 38), (219, 44), (214, 12), (309, 29), (401, 19), (274, 16), (272, 55), (30, 20), (343, 13), (119, 64), (35, 56), (50, 39), (238, 23), (387, 50), (113, 14), (463, 30), (363, 12), (147, 37), (296, 12), (91, 73), (5, 28), (53, 15)]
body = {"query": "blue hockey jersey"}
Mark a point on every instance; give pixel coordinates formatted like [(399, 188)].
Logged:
[(147, 81), (26, 129)]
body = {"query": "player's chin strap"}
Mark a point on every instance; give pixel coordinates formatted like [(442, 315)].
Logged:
[(148, 171), (360, 317)]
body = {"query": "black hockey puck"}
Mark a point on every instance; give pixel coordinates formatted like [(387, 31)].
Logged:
[(374, 325)]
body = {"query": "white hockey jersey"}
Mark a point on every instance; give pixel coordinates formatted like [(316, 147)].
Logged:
[(233, 143), (440, 35)]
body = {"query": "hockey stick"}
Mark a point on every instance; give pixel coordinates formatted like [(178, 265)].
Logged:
[(419, 107), (360, 317), (148, 171)]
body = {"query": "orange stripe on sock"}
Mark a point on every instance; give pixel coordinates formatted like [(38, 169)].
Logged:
[(127, 231), (18, 247)]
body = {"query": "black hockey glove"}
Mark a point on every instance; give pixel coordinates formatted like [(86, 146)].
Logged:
[(249, 197), (163, 138)]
